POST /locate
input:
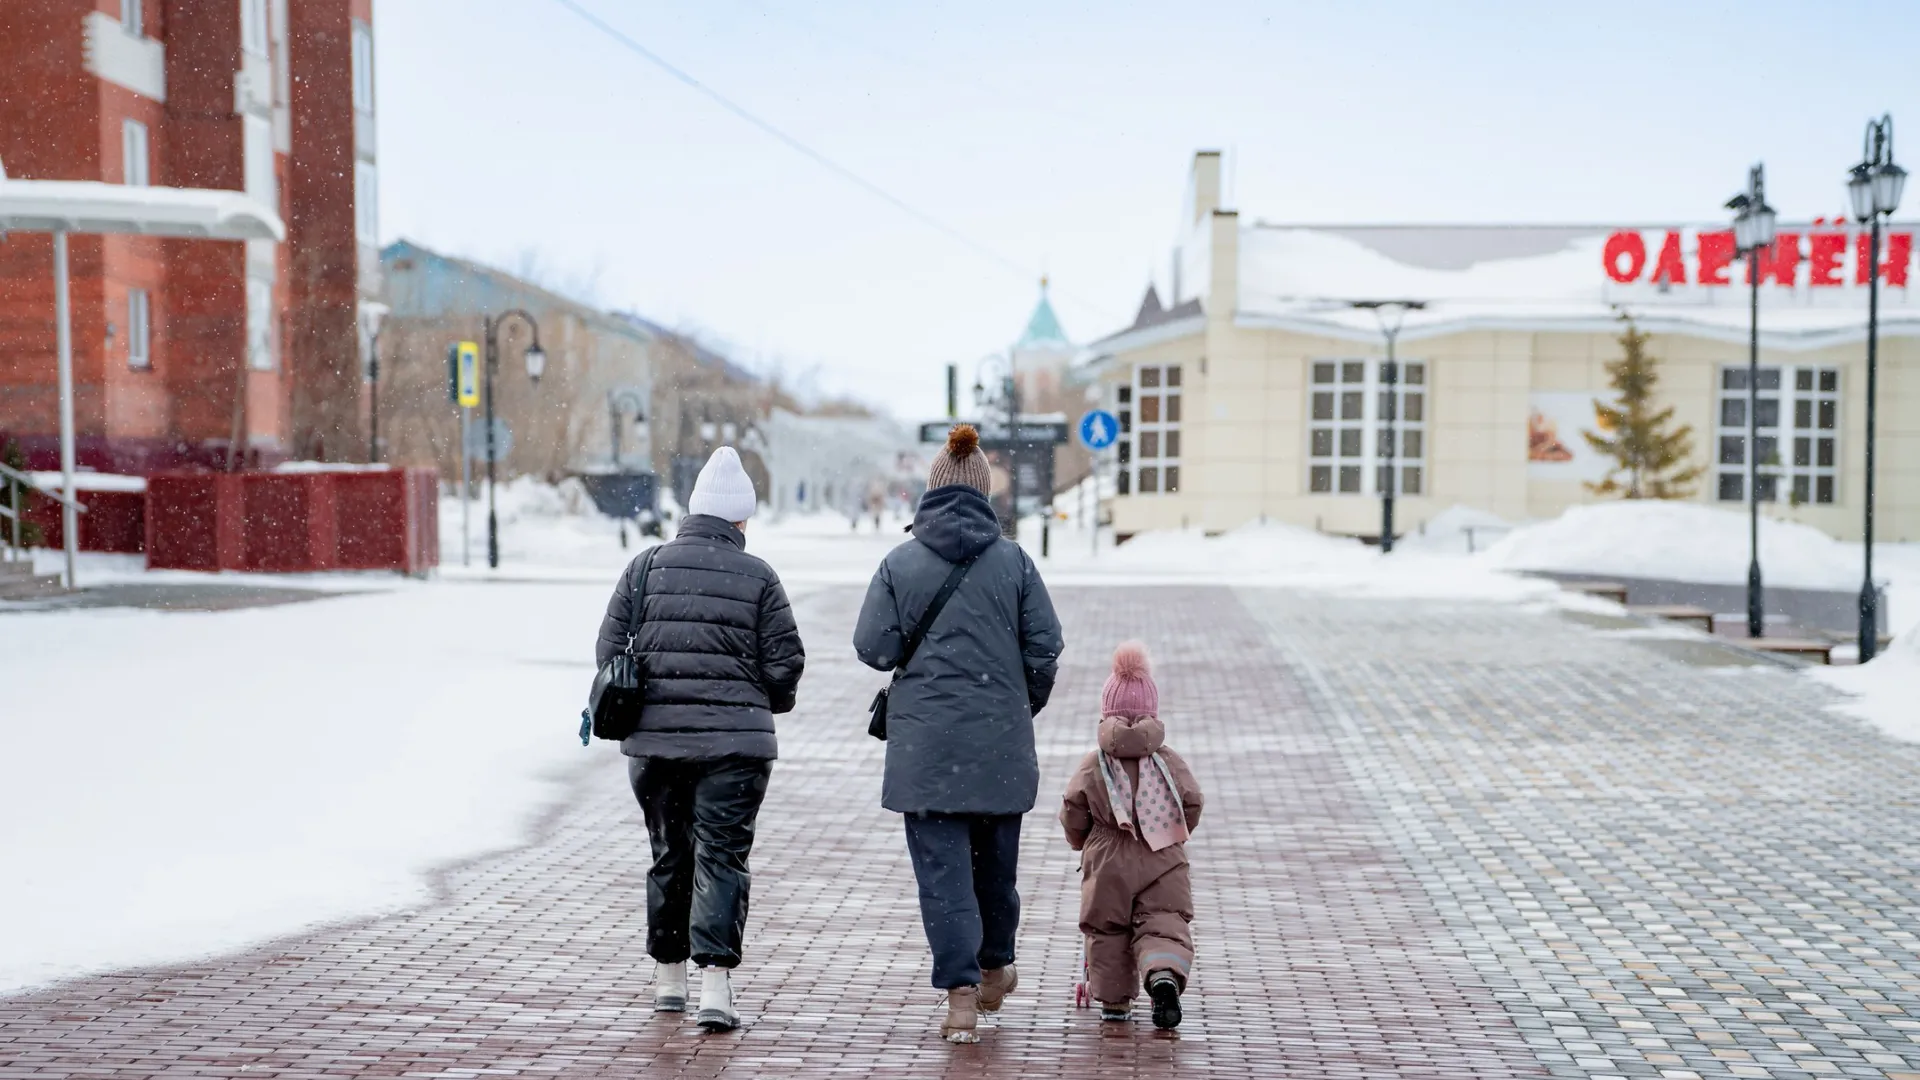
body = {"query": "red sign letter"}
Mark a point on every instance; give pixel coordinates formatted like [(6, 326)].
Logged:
[(1716, 254), (1828, 250), (1630, 245), (1899, 254), (1781, 262), (1670, 269)]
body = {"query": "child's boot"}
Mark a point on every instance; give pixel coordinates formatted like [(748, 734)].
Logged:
[(1117, 1012), (1164, 988)]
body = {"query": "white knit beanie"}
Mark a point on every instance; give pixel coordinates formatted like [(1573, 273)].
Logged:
[(724, 490)]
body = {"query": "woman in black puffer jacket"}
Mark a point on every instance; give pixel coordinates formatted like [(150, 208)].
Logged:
[(721, 653)]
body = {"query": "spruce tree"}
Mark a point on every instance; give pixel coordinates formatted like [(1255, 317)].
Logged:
[(12, 458), (1651, 457)]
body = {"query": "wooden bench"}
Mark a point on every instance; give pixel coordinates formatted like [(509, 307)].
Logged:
[(1680, 613), (1802, 648), (1605, 590)]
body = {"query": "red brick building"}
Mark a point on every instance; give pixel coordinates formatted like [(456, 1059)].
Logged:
[(185, 349)]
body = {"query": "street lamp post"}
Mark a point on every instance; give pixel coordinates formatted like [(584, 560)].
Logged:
[(1753, 229), (536, 365), (1389, 406), (1006, 395), (373, 318), (1874, 190)]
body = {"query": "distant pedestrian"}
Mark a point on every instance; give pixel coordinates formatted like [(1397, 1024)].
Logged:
[(961, 766), (720, 655), (1129, 810)]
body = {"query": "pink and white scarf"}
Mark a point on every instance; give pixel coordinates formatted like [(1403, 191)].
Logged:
[(1153, 813)]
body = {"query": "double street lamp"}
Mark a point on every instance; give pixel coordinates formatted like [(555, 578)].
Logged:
[(1874, 190), (1004, 393), (1389, 405), (536, 366), (1753, 231)]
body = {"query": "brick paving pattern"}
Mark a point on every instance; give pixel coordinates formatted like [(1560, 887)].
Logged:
[(1442, 840)]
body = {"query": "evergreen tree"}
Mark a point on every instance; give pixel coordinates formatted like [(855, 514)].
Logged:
[(1651, 457), (12, 458)]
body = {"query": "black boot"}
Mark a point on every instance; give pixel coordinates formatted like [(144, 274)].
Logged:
[(1164, 988)]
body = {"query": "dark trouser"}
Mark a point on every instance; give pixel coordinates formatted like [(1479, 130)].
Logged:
[(700, 824), (966, 865)]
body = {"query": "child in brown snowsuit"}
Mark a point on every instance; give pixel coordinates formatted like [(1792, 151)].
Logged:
[(1129, 810)]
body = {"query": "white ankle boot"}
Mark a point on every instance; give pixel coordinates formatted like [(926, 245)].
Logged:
[(670, 987), (716, 1001)]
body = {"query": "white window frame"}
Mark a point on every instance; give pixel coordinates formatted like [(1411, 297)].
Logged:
[(261, 179), (1159, 471), (139, 330), (366, 202), (262, 343), (362, 66), (1344, 443), (132, 17), (254, 35), (1806, 402), (136, 149)]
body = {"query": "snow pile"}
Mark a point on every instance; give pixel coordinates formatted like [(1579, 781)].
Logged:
[(1458, 530), (1678, 541), (1884, 690), (1276, 555), (247, 773)]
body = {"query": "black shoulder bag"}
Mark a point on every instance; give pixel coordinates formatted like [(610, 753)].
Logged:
[(877, 725), (620, 686)]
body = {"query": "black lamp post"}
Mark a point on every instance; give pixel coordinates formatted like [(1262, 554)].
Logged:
[(1389, 406), (1006, 394), (536, 366), (1874, 189), (1753, 229), (373, 317)]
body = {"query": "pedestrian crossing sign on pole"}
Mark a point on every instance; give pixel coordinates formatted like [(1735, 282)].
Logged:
[(463, 374)]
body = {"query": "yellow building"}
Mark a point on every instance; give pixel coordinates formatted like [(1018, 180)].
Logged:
[(1257, 392)]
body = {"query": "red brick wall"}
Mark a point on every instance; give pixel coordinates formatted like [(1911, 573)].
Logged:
[(329, 415), (57, 121)]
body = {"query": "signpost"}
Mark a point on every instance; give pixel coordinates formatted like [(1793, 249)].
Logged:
[(463, 387), (1099, 430)]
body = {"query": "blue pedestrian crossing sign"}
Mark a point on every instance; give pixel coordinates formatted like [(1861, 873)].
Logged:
[(1099, 429)]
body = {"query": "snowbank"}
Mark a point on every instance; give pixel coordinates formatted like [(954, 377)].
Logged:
[(1680, 541), (1885, 690), (237, 776)]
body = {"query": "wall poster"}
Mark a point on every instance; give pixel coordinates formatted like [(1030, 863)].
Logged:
[(1557, 447)]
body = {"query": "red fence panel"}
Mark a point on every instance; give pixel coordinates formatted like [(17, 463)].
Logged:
[(294, 521), (115, 521)]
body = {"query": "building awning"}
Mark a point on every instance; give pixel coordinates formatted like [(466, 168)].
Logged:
[(87, 206)]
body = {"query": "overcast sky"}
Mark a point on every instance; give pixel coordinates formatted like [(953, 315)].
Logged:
[(1057, 136)]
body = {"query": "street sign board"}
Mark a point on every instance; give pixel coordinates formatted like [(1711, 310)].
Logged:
[(477, 440), (995, 436), (1099, 429), (463, 374)]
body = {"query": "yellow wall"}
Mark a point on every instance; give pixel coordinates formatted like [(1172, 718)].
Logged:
[(1244, 428)]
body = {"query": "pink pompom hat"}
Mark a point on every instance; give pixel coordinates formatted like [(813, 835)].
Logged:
[(1130, 691)]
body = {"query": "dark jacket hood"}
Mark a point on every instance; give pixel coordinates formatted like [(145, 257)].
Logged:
[(956, 521), (708, 527)]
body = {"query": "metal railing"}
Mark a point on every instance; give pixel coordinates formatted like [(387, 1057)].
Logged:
[(15, 509)]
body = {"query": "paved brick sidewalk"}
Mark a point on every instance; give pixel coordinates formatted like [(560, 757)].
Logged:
[(1441, 841)]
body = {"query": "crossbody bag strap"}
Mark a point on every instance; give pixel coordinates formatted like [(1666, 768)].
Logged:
[(947, 588), (636, 610)]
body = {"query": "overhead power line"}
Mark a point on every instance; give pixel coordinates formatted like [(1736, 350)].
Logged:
[(803, 149)]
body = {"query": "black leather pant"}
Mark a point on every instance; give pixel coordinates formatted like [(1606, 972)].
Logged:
[(700, 822)]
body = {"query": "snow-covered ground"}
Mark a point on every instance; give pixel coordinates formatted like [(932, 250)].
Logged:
[(173, 785)]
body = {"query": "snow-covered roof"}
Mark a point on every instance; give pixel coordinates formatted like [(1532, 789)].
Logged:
[(1539, 278), (88, 206)]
